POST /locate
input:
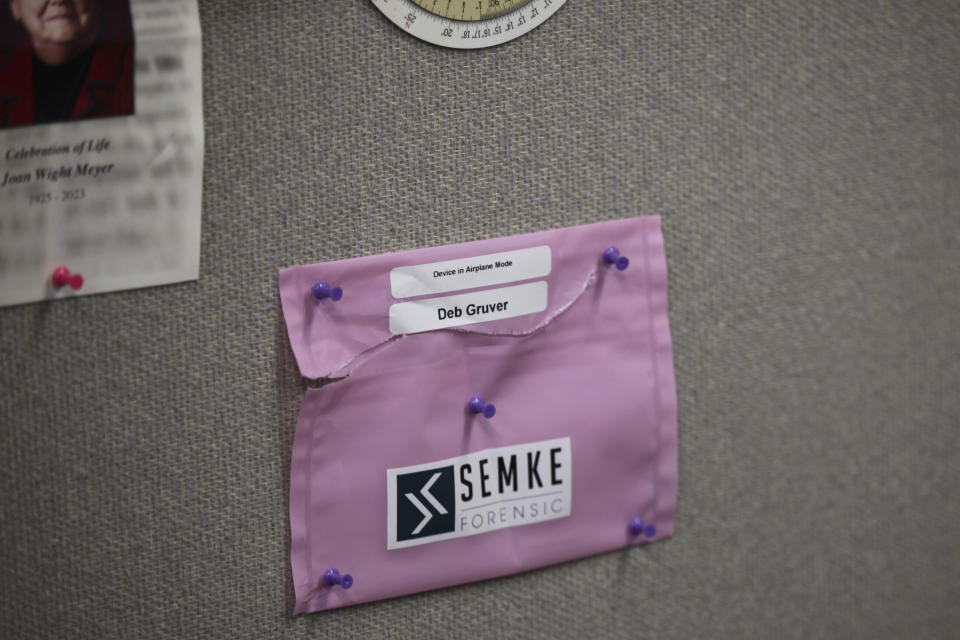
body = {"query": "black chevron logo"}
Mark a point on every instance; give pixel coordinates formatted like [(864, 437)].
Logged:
[(425, 503)]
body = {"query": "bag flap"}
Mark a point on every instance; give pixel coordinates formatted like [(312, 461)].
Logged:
[(328, 337)]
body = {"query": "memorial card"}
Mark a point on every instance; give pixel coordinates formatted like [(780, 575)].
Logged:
[(101, 146)]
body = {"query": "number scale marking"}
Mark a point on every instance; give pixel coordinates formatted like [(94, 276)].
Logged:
[(468, 24)]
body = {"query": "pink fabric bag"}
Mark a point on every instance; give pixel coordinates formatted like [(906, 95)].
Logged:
[(396, 482)]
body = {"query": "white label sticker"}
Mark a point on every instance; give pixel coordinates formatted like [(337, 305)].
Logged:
[(468, 308), (470, 273), (479, 492)]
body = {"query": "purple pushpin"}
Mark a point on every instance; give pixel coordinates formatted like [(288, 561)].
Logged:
[(638, 526), (323, 290), (477, 405), (332, 577), (612, 256)]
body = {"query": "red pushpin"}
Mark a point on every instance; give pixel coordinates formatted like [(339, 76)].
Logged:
[(63, 277)]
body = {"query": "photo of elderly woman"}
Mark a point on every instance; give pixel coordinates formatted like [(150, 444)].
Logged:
[(64, 60)]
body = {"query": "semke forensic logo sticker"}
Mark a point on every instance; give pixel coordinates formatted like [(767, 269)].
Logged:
[(477, 493)]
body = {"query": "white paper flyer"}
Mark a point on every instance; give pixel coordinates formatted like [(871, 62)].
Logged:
[(101, 146)]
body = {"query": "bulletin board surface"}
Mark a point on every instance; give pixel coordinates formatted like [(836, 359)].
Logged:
[(805, 158)]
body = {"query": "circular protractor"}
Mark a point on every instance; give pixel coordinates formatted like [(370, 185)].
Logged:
[(468, 24)]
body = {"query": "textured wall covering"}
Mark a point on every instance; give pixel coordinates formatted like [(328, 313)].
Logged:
[(805, 157)]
